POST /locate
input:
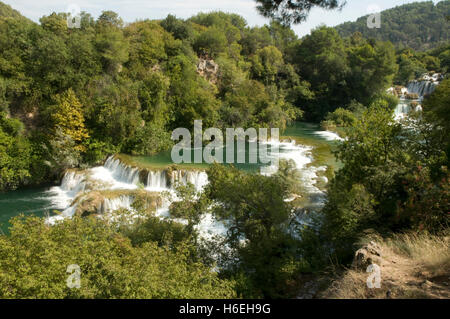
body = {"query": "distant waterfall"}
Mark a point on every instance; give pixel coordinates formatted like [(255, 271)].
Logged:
[(402, 109), (422, 88)]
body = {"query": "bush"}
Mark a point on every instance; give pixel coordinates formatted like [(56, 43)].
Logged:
[(111, 267)]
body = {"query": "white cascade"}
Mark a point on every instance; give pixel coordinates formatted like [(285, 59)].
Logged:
[(402, 109), (197, 178), (156, 180), (122, 172), (422, 88), (110, 205), (73, 182)]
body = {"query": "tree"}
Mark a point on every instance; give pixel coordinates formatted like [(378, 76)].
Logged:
[(293, 11), (110, 266), (55, 23), (266, 64), (410, 67), (394, 178), (191, 205), (110, 41), (322, 61), (68, 117), (436, 110), (179, 28), (372, 70), (263, 251), (212, 42), (15, 154)]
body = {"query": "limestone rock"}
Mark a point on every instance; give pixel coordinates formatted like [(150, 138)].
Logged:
[(366, 255), (208, 69)]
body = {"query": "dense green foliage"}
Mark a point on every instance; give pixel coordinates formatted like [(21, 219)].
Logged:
[(340, 70), (288, 11), (128, 86), (419, 25), (7, 11), (35, 257), (261, 252), (394, 177)]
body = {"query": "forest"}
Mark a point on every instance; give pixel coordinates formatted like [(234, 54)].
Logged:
[(420, 25), (70, 97)]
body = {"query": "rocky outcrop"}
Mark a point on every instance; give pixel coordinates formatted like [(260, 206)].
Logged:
[(398, 91), (367, 255), (100, 202), (208, 69)]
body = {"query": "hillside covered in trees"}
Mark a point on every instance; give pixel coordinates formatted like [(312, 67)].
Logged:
[(420, 25)]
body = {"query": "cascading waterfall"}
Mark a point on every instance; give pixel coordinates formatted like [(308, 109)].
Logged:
[(110, 205), (121, 171), (197, 178), (425, 86), (73, 182), (157, 180), (116, 175), (402, 109), (422, 88)]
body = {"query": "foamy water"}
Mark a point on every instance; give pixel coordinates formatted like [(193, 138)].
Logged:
[(115, 175)]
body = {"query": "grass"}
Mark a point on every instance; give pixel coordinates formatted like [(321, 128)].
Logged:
[(433, 252), (413, 265)]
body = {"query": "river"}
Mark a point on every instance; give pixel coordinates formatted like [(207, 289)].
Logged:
[(311, 152)]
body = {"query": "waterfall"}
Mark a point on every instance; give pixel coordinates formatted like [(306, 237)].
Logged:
[(402, 109), (422, 88), (116, 175), (197, 178), (73, 182), (122, 172), (425, 86), (157, 180), (110, 205)]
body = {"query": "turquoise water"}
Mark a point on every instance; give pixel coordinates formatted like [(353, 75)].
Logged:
[(36, 201), (164, 158), (29, 201), (304, 133)]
